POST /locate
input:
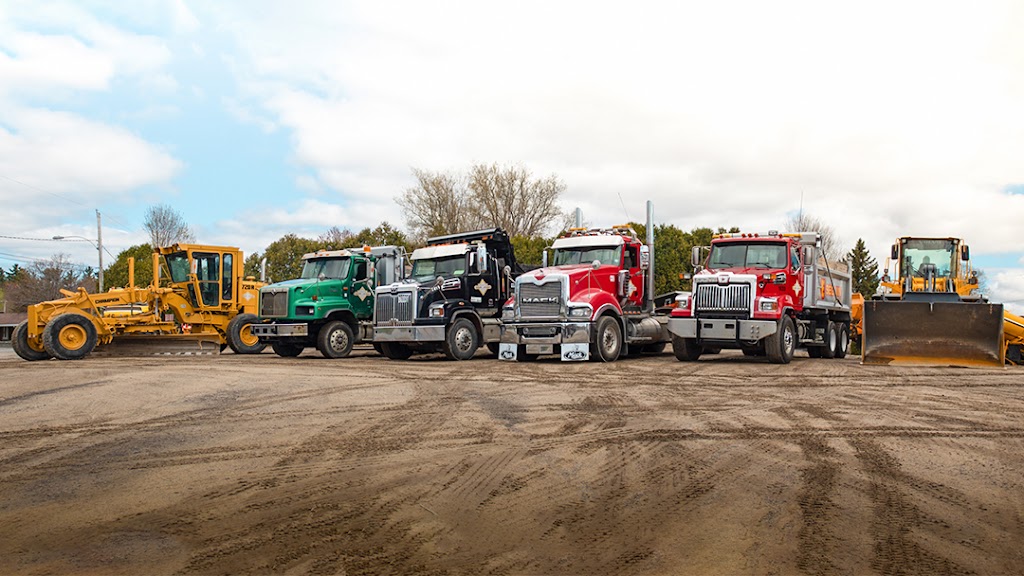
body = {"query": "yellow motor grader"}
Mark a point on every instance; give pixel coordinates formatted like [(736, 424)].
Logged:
[(199, 302), (932, 312)]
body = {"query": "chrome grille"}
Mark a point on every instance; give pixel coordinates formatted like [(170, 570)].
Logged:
[(395, 309), (273, 303), (722, 298), (551, 295)]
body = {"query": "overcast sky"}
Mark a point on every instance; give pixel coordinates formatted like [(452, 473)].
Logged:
[(258, 118)]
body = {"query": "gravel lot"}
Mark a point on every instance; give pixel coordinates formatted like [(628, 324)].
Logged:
[(233, 464)]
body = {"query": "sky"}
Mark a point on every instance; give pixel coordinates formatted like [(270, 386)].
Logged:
[(258, 118)]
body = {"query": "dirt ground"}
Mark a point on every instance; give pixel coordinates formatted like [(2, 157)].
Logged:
[(259, 464)]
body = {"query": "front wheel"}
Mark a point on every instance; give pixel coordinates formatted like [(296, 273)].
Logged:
[(285, 350), (26, 348), (240, 337), (608, 343), (685, 349), (335, 339), (69, 336), (461, 341), (781, 345)]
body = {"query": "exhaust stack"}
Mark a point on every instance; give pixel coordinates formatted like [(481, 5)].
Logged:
[(650, 266)]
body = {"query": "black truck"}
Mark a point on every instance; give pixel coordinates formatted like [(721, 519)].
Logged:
[(451, 301)]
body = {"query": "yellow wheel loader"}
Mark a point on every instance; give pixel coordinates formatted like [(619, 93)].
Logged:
[(198, 303), (932, 313)]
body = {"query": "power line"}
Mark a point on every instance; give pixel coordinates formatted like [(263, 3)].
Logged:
[(115, 220)]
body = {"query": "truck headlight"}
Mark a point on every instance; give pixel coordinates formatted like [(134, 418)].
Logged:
[(580, 312), (769, 305), (683, 301), (436, 311), (508, 314), (304, 310)]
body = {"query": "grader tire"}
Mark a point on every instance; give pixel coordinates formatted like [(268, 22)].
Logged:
[(69, 336), (24, 347), (240, 337)]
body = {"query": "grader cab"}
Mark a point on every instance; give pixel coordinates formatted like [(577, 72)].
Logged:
[(199, 302), (932, 312)]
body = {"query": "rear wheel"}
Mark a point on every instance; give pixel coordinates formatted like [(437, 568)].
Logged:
[(780, 346), (27, 349), (844, 341), (395, 350), (685, 349), (461, 341), (335, 339), (285, 350), (608, 344), (69, 336), (831, 341), (240, 337)]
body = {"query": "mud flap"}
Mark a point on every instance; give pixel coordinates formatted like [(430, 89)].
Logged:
[(161, 345), (932, 333)]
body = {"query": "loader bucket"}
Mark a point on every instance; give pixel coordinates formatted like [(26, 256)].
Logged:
[(161, 345), (932, 333)]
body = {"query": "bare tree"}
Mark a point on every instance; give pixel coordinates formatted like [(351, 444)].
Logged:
[(166, 226), (491, 196), (436, 205), (830, 241), (512, 199), (336, 238), (44, 279)]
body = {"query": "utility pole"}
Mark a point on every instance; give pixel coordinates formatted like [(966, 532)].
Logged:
[(99, 247)]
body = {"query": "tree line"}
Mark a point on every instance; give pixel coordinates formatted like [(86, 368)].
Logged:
[(445, 202)]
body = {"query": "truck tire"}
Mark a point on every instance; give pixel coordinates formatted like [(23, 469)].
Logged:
[(493, 348), (376, 346), (24, 347), (69, 336), (286, 350), (652, 349), (240, 337), (608, 340), (780, 346), (335, 339), (686, 349), (755, 351), (461, 340), (395, 350), (844, 341), (831, 341)]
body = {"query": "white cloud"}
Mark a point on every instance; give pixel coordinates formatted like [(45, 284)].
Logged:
[(1007, 287)]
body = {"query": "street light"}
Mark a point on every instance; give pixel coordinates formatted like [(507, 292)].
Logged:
[(99, 250)]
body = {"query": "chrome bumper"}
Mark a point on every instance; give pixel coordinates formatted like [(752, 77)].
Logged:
[(408, 333), (721, 328)]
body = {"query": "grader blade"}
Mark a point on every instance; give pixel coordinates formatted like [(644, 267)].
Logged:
[(161, 345), (932, 333)]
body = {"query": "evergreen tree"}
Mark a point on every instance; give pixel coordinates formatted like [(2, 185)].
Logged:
[(864, 269)]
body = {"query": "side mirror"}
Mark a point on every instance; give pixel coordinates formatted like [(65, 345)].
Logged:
[(544, 258), (895, 255), (965, 253), (621, 284), (595, 264), (321, 277), (481, 258), (645, 257), (694, 257)]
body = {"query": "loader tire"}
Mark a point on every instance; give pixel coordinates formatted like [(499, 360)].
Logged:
[(781, 345), (831, 341), (240, 337), (395, 350), (843, 341), (462, 340), (607, 344), (335, 339), (69, 336), (686, 349), (24, 347), (286, 350)]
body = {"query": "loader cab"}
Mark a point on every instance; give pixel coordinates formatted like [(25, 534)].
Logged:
[(208, 275), (929, 264)]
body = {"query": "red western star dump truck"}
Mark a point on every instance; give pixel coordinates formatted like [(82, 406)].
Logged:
[(595, 300), (766, 294)]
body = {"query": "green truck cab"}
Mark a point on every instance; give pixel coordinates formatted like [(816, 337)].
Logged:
[(330, 306)]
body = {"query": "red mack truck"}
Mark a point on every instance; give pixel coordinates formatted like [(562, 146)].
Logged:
[(766, 294), (594, 301)]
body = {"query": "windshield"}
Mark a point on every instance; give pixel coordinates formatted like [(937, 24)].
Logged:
[(428, 269), (606, 256), (177, 263), (758, 255), (336, 268), (917, 254)]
